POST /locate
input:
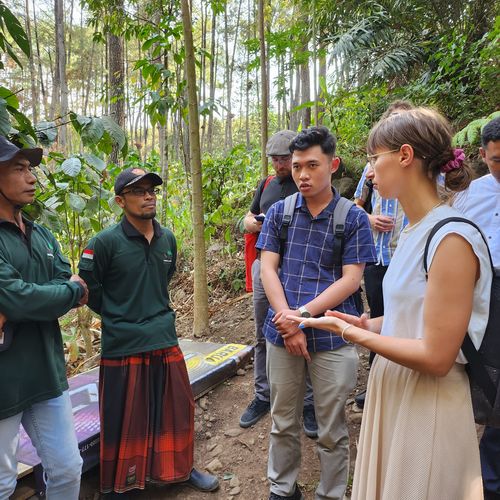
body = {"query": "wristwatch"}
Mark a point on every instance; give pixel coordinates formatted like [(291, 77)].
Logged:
[(304, 312)]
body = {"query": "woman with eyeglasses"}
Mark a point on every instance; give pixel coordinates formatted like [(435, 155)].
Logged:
[(418, 439)]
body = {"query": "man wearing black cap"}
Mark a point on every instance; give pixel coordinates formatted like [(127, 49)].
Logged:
[(36, 288), (268, 192), (146, 402)]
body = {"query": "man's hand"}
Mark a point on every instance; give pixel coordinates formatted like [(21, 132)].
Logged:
[(381, 223), (297, 345), (285, 327), (85, 296), (3, 319)]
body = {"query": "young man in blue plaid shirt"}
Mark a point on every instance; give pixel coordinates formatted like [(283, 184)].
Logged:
[(307, 283)]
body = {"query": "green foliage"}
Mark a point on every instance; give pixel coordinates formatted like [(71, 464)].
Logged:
[(10, 24), (470, 135)]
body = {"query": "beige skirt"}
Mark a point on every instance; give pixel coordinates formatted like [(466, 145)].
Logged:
[(418, 439)]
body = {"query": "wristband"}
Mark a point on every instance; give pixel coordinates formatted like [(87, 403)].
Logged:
[(342, 334)]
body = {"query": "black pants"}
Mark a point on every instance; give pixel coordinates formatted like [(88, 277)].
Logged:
[(489, 449), (373, 287)]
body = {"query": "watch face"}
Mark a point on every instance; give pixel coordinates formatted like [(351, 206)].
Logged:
[(304, 312)]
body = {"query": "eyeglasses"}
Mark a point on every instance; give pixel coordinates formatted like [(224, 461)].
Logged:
[(141, 192), (281, 159), (373, 158)]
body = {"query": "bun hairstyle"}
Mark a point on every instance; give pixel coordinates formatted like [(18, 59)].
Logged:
[(429, 134)]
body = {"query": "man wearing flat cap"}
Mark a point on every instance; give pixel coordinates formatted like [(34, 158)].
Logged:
[(36, 288), (146, 402), (268, 192)]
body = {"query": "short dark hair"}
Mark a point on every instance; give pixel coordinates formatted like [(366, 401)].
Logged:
[(315, 136), (491, 132)]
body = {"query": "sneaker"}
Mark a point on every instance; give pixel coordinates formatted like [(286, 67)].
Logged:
[(201, 481), (360, 399), (297, 495), (310, 425), (254, 412)]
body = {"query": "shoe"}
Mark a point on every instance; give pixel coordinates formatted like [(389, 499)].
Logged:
[(201, 481), (297, 495), (310, 425), (254, 412), (360, 399)]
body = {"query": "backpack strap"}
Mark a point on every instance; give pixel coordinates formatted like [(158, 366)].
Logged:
[(267, 181), (339, 216), (476, 364), (290, 202)]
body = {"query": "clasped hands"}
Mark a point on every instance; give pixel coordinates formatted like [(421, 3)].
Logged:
[(289, 324)]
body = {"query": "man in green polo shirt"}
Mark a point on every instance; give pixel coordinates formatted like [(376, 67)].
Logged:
[(146, 402), (36, 288)]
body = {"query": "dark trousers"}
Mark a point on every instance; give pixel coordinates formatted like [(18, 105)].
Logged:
[(489, 448), (373, 287)]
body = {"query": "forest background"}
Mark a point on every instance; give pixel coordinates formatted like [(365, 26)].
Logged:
[(192, 90)]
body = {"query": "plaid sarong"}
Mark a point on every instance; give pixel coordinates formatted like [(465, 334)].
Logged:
[(147, 420)]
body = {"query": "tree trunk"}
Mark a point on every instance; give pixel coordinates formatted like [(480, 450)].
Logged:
[(61, 95), (264, 87), (39, 60), (200, 321), (34, 88), (210, 131), (116, 81)]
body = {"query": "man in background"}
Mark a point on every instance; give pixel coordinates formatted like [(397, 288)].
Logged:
[(481, 203), (268, 192)]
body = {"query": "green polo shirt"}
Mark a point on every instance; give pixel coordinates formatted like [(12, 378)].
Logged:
[(34, 293), (128, 283)]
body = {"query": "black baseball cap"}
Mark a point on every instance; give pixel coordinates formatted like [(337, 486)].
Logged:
[(132, 175), (9, 150)]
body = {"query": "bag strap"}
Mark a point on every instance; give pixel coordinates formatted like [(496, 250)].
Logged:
[(476, 364), (339, 216), (290, 202)]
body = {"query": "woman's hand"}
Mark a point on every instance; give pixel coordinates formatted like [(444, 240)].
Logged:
[(333, 321)]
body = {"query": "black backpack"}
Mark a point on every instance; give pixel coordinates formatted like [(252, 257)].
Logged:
[(483, 365), (339, 216)]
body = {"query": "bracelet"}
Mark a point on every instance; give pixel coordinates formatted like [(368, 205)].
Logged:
[(342, 334)]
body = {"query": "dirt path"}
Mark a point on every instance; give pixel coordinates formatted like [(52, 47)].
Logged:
[(238, 456)]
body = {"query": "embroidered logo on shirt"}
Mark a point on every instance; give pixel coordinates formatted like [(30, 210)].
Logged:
[(88, 254)]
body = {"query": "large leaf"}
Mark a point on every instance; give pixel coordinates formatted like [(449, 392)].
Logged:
[(95, 162), (4, 118), (46, 132), (15, 29), (92, 132), (11, 98), (115, 132), (76, 202), (71, 166)]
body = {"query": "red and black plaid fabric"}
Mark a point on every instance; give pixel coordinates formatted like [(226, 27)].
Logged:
[(147, 420)]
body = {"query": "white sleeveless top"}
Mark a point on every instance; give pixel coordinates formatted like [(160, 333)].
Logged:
[(404, 284)]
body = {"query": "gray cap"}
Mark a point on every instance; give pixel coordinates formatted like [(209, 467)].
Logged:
[(8, 151), (279, 143)]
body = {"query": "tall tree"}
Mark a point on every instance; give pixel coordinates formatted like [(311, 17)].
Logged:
[(200, 320), (60, 95), (264, 103), (116, 78), (34, 87)]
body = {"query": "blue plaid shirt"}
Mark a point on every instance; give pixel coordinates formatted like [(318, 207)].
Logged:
[(307, 268), (385, 242)]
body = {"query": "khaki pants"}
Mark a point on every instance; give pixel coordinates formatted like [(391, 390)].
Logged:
[(333, 377)]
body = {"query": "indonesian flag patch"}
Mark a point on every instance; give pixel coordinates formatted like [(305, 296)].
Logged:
[(88, 254)]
